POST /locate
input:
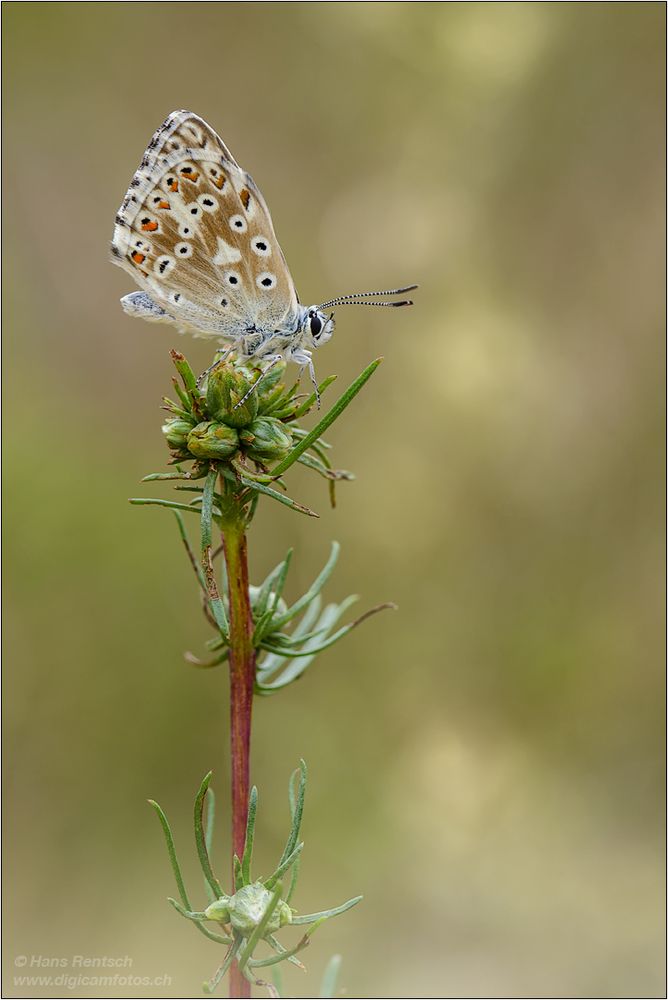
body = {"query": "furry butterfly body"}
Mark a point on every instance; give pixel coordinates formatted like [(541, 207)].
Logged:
[(196, 235)]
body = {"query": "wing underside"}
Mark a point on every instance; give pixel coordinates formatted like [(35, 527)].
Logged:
[(195, 233)]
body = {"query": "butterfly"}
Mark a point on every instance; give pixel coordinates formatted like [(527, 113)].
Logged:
[(196, 235)]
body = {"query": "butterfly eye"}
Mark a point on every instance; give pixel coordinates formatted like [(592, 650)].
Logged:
[(316, 324)]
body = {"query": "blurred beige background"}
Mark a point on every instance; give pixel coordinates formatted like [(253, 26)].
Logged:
[(486, 765)]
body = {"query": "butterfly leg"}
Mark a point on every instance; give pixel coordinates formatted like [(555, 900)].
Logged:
[(273, 359), (303, 358), (225, 352)]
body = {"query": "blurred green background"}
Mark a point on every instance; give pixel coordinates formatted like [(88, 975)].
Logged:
[(486, 765)]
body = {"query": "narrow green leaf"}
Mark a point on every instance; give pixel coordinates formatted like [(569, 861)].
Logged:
[(195, 918), (272, 662), (207, 508), (270, 882), (293, 878), (278, 981), (291, 669), (314, 589), (310, 400), (238, 875), (158, 476), (282, 956), (189, 550), (266, 587), (210, 799), (202, 852), (275, 495), (301, 433), (310, 918), (183, 396), (330, 978), (296, 814), (292, 794), (215, 601), (211, 985), (314, 926), (215, 661), (326, 471), (177, 410), (269, 400), (170, 504), (250, 834), (171, 850), (196, 489), (292, 799), (250, 514), (244, 473), (283, 651), (214, 644), (218, 611), (189, 914), (280, 950), (277, 585), (184, 370), (328, 419)]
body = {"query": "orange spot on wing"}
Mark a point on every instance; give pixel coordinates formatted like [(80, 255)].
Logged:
[(219, 181), (173, 186), (137, 257), (245, 197), (150, 227), (164, 204), (189, 173)]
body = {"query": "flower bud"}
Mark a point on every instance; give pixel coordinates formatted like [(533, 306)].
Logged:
[(266, 439), (213, 440), (248, 905), (225, 387), (219, 910), (176, 432)]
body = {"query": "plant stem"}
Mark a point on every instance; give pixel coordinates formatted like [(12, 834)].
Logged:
[(242, 678)]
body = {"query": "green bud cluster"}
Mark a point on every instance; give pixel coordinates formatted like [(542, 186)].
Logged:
[(239, 428), (213, 424), (246, 908)]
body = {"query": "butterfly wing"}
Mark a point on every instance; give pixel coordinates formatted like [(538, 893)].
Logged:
[(195, 233)]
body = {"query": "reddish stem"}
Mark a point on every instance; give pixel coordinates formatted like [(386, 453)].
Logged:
[(242, 677)]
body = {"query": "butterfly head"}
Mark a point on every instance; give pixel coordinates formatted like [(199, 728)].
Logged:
[(319, 327)]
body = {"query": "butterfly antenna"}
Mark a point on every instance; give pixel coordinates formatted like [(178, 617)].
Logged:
[(354, 298)]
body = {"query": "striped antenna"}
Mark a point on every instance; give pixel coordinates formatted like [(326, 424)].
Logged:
[(353, 299)]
